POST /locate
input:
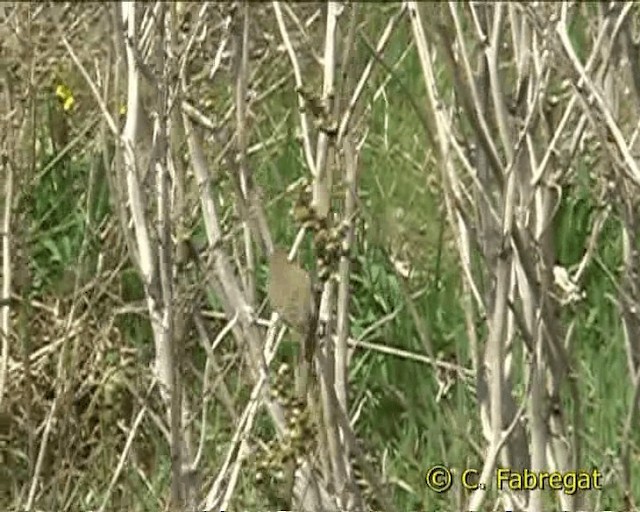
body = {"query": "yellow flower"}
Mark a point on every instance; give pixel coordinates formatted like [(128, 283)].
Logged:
[(63, 92), (65, 96), (68, 103)]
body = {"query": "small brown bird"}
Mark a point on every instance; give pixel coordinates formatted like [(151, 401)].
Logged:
[(291, 295), (289, 291)]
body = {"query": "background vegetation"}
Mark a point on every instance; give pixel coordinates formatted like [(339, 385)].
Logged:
[(82, 424)]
